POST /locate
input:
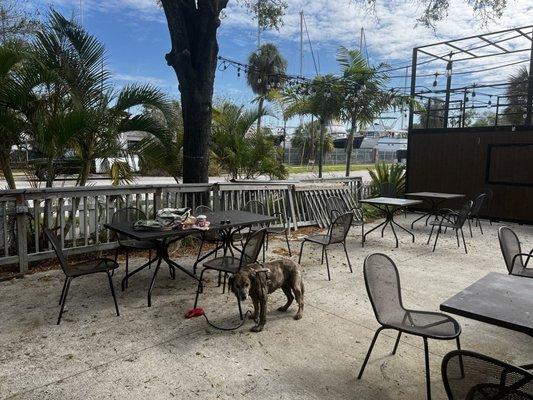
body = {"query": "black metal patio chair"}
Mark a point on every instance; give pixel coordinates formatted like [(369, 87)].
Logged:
[(488, 201), (471, 376), (281, 228), (512, 253), (76, 270), (383, 287), (474, 212), (131, 215), (337, 232), (209, 237), (336, 206), (232, 265), (451, 219)]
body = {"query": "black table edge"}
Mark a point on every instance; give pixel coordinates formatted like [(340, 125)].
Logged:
[(488, 320)]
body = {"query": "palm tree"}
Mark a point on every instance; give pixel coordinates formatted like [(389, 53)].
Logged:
[(321, 98), (11, 122), (365, 96), (306, 141), (163, 149), (266, 67), (516, 93), (239, 150)]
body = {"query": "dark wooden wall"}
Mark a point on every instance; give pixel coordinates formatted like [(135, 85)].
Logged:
[(469, 160)]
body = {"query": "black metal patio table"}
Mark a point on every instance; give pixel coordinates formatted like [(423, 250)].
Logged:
[(389, 205), (498, 299), (435, 201), (226, 222)]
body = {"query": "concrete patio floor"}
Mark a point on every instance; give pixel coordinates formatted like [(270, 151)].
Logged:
[(154, 353)]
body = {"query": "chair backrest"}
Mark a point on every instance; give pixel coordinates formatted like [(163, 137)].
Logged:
[(255, 206), (54, 241), (202, 210), (339, 228), (510, 246), (127, 215), (463, 214), (335, 206), (382, 283), (252, 248), (477, 204), (472, 376)]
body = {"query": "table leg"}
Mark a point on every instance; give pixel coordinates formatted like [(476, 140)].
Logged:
[(129, 275), (162, 252), (405, 229)]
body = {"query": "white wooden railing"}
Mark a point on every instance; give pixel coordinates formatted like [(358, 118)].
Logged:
[(78, 214)]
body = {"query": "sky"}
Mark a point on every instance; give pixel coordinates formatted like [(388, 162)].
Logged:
[(136, 37)]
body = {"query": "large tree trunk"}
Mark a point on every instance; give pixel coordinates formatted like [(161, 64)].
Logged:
[(6, 170), (193, 28)]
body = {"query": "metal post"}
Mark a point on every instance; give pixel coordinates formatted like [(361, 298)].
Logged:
[(497, 110), (413, 87), (428, 113), (447, 101), (157, 200), (463, 106), (529, 105)]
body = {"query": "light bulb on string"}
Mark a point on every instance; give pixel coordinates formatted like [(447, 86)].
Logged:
[(435, 81), (239, 72)]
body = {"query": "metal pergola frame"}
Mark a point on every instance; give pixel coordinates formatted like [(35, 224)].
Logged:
[(472, 48)]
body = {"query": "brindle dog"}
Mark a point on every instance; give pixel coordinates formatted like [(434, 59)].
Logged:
[(258, 281)]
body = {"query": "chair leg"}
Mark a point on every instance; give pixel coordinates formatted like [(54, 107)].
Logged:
[(288, 244), (464, 242), (436, 238), (113, 292), (428, 379), (470, 227), (431, 233), (396, 343), (479, 222), (64, 300), (369, 352), (461, 366), (63, 291), (363, 235), (457, 237), (149, 259), (194, 268), (327, 261), (127, 266), (347, 257), (199, 288), (322, 258), (301, 249), (224, 282)]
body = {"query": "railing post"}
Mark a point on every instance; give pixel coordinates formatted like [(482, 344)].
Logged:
[(21, 211), (157, 200), (216, 196), (290, 190)]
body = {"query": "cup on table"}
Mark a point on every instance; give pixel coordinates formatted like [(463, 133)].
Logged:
[(200, 220)]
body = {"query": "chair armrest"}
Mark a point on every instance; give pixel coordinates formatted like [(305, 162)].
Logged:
[(447, 211), (287, 222), (527, 255)]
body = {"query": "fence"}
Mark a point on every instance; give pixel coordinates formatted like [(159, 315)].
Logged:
[(338, 156), (78, 214)]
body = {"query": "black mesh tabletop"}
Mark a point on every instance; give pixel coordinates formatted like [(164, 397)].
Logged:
[(497, 299), (236, 219)]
